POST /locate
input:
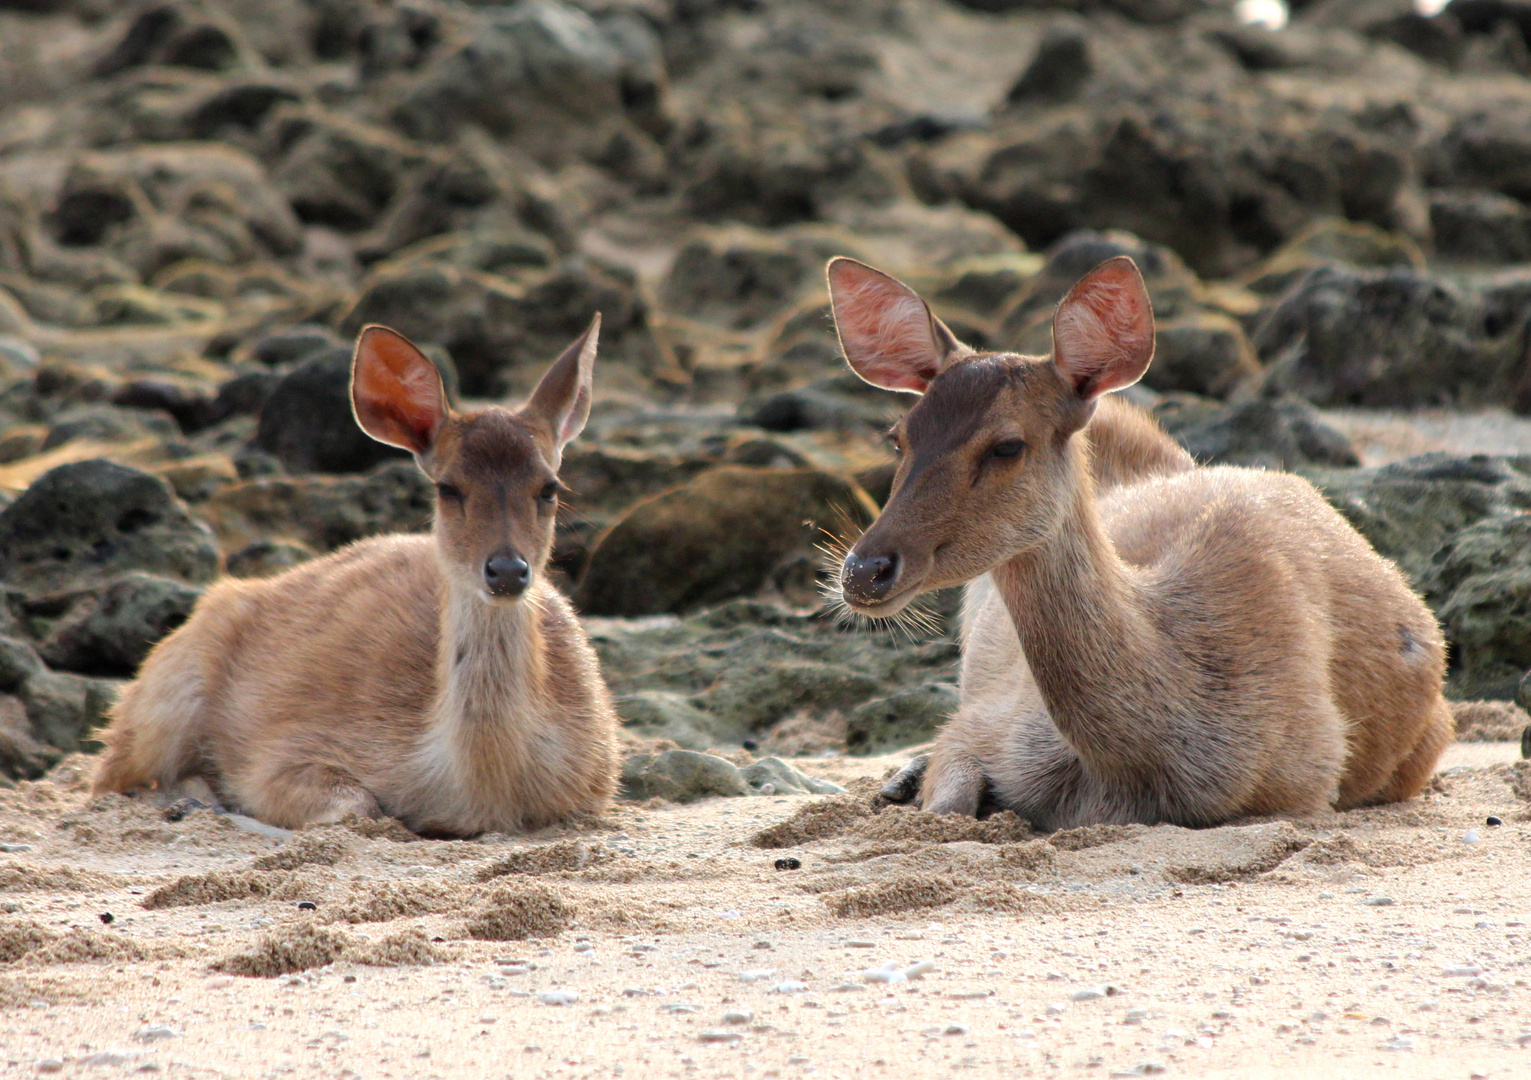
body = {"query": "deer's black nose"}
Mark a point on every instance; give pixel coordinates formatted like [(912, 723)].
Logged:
[(869, 578), (506, 575)]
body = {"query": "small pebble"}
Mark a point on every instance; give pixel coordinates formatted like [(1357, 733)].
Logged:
[(756, 975), (583, 946), (488, 1019), (156, 1033), (790, 986), (716, 1036), (679, 1008), (955, 1029), (738, 1016), (1493, 820), (1470, 836), (107, 917), (1461, 971), (307, 905), (789, 864), (1397, 1044), (1056, 1009), (218, 982), (860, 944), (1378, 901), (751, 745), (558, 997), (50, 1065), (17, 849)]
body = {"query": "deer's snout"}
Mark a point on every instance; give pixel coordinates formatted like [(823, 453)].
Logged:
[(868, 579), (506, 575)]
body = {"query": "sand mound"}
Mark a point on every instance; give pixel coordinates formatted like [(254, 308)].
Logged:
[(515, 913), (39, 946), (819, 820), (389, 900), (296, 947), (23, 993), (386, 828), (891, 897), (21, 877), (326, 847), (906, 824), (1090, 836), (563, 856), (1235, 853), (219, 885), (409, 948)]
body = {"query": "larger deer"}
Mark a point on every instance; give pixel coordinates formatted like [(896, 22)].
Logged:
[(1188, 645), (438, 679)]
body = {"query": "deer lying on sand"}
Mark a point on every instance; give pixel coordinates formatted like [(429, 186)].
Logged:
[(438, 679), (1185, 645)]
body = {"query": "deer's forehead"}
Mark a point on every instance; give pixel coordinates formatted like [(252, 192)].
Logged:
[(492, 445), (972, 396)]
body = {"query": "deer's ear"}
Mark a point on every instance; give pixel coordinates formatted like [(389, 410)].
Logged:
[(561, 402), (889, 335), (1103, 330), (396, 392)]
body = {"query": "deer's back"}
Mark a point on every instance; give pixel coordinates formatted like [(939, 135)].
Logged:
[(344, 646)]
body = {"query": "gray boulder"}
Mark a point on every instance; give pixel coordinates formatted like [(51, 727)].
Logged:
[(902, 719), (1480, 226), (88, 521), (1286, 434), (1203, 353), (110, 632), (1410, 509), (1479, 584), (43, 714), (685, 776), (1380, 339)]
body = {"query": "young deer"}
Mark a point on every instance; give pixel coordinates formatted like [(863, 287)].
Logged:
[(1188, 646), (438, 679)]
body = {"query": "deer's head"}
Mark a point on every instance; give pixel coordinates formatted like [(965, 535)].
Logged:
[(982, 473), (495, 469)]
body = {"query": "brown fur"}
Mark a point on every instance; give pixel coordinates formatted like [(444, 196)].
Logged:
[(385, 679), (1190, 645)]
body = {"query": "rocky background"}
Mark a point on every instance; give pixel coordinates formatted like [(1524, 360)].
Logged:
[(202, 200)]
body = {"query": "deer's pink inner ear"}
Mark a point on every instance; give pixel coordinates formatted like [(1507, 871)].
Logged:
[(1103, 332), (885, 328), (396, 391)]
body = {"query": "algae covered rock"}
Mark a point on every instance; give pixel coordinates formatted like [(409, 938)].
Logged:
[(716, 538), (90, 520)]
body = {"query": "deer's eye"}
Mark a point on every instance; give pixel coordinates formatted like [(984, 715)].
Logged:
[(549, 492), (449, 491), (894, 445), (1009, 448)]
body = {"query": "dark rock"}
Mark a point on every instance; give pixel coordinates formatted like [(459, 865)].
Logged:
[(500, 335), (899, 720), (1059, 69), (544, 71), (307, 422), (340, 172), (265, 558), (1205, 353), (99, 423), (190, 403), (1389, 338), (63, 709), (112, 631), (718, 537), (1487, 148), (323, 512), (1480, 226), (736, 284), (88, 521), (1286, 434), (22, 757), (841, 403), (1479, 583), (297, 343), (174, 35), (658, 714)]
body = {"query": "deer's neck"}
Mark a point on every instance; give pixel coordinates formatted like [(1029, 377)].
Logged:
[(492, 687), (1089, 638)]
